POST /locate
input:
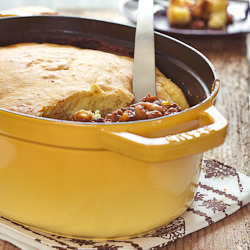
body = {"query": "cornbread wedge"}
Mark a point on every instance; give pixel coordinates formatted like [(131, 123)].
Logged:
[(178, 12)]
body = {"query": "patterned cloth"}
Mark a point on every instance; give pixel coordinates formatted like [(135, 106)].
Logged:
[(221, 192)]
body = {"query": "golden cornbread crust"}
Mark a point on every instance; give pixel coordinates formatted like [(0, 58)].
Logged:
[(57, 80)]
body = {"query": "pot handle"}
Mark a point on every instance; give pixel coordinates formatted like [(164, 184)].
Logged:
[(172, 146)]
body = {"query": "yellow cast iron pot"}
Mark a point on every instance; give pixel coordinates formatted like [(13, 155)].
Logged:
[(104, 180)]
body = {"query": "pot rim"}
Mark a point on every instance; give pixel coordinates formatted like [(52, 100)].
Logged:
[(208, 100)]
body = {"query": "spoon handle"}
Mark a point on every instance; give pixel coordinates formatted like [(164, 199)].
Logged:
[(144, 53)]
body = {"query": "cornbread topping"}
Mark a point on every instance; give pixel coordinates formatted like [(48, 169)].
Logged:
[(148, 108), (56, 81), (199, 14)]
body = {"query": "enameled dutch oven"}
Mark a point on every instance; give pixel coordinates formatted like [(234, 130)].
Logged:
[(106, 180)]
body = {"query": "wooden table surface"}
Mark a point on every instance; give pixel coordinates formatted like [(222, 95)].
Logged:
[(229, 56)]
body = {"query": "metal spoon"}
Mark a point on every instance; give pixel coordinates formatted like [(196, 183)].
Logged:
[(144, 52)]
